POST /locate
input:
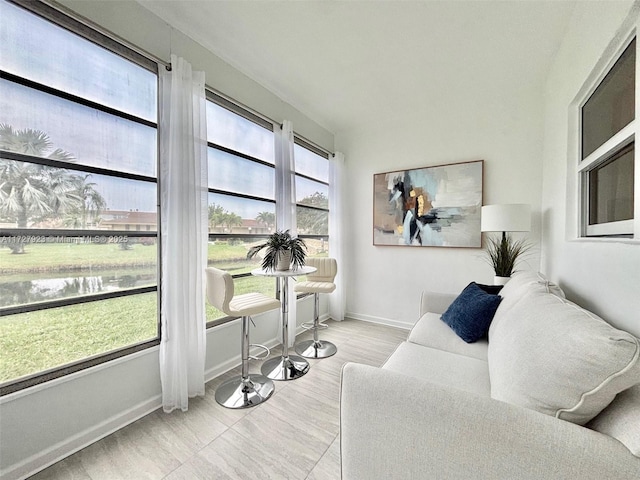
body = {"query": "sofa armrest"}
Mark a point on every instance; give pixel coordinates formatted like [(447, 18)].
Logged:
[(435, 302), (395, 426)]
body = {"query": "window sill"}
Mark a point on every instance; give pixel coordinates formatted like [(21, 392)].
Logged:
[(621, 240)]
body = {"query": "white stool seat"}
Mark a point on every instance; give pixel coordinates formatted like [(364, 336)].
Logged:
[(251, 304), (315, 287)]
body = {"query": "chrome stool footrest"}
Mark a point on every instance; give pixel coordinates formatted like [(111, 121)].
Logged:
[(313, 326), (262, 356)]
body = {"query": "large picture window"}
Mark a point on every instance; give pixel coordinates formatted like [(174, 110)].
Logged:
[(242, 202), (242, 197), (608, 161), (312, 197), (78, 197)]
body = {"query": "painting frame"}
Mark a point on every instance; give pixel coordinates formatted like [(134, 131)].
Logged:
[(431, 206)]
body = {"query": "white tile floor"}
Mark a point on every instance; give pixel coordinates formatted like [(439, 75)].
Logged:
[(294, 435)]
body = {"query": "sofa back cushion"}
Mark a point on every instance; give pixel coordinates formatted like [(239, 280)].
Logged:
[(552, 356), (521, 283)]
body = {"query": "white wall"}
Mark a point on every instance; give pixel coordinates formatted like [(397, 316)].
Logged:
[(501, 125), (45, 423), (603, 276)]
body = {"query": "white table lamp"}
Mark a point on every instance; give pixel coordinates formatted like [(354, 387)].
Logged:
[(503, 254), (513, 217)]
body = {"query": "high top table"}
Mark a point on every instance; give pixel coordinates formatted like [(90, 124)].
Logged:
[(285, 367)]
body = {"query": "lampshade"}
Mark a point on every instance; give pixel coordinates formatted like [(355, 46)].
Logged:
[(514, 217)]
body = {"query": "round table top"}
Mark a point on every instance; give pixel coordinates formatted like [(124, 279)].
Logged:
[(283, 273)]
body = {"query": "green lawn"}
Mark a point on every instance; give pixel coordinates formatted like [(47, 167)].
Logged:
[(69, 256), (36, 341)]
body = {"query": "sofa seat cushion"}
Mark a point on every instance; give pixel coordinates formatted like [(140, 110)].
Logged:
[(552, 356), (621, 419), (442, 368), (431, 331)]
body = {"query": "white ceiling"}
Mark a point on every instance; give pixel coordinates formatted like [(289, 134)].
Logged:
[(348, 63)]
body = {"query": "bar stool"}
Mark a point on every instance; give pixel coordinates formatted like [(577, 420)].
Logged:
[(246, 390), (321, 281)]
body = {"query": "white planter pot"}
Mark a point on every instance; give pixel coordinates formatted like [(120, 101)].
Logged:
[(284, 260), (500, 280)]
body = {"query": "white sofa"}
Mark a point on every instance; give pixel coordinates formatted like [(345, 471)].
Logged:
[(512, 407)]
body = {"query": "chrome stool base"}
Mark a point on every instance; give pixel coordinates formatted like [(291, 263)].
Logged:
[(316, 349), (285, 368), (240, 393)]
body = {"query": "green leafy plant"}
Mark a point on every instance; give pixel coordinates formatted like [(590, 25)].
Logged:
[(277, 243), (503, 254)]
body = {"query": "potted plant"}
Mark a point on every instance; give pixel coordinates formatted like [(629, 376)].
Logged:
[(503, 254), (282, 252)]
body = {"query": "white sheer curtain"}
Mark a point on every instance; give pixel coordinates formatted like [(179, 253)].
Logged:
[(286, 201), (183, 208), (337, 299)]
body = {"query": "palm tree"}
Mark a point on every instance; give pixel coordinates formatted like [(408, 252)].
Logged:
[(231, 220), (268, 219), (30, 142), (89, 206), (29, 191), (216, 216)]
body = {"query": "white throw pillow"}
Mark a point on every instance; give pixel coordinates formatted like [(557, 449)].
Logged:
[(552, 356)]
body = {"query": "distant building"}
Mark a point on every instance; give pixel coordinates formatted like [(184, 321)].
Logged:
[(125, 220), (249, 226)]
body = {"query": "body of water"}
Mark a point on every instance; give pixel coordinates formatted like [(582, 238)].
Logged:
[(31, 288)]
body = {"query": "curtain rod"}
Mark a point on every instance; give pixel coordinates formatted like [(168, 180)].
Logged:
[(92, 25)]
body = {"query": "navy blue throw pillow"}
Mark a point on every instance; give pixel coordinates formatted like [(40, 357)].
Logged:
[(471, 313)]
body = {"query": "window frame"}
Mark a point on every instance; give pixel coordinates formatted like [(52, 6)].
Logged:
[(93, 35), (625, 229)]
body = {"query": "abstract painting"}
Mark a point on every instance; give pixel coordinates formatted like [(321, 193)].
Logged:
[(435, 206)]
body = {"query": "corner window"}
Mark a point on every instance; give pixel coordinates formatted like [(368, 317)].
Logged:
[(608, 160)]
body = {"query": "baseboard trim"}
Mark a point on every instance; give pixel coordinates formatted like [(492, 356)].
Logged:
[(379, 320), (73, 444)]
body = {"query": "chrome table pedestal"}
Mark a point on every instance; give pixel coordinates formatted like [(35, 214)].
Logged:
[(316, 349), (285, 367)]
